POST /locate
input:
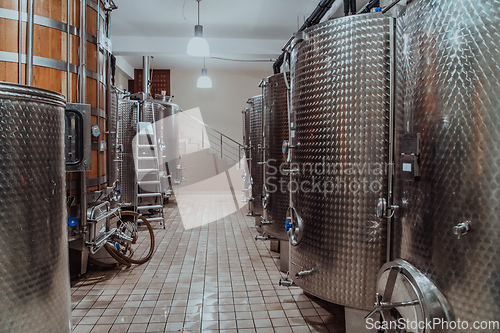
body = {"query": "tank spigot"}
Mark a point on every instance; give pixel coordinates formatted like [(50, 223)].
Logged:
[(263, 221), (462, 229), (304, 273), (286, 282), (261, 237)]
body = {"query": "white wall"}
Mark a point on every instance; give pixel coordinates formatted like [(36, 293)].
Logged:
[(121, 79), (220, 106)]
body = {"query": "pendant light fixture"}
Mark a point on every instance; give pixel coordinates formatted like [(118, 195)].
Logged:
[(204, 80), (198, 46)]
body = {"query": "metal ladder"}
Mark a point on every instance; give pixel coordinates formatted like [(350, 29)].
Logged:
[(149, 153)]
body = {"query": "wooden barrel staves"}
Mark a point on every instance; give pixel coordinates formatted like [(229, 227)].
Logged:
[(56, 63)]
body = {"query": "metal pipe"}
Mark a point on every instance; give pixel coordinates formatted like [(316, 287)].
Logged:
[(29, 41), (20, 43), (82, 98), (68, 52), (98, 104), (392, 92), (111, 146), (146, 66)]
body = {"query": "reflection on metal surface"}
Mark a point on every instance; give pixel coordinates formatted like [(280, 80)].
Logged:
[(255, 146), (34, 277), (294, 226), (275, 126), (341, 104), (452, 98), (128, 113)]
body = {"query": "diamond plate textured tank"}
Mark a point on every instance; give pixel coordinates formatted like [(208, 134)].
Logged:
[(340, 125), (277, 196), (128, 112), (255, 140), (449, 217), (34, 283)]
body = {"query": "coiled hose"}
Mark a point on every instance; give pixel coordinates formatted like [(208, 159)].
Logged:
[(122, 258)]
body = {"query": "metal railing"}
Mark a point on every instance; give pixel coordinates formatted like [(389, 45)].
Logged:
[(225, 147)]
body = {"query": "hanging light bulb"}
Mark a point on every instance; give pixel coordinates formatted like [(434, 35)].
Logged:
[(198, 46), (204, 80)]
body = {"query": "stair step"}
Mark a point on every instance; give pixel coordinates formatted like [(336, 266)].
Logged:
[(147, 170), (147, 182), (155, 218), (147, 146), (148, 195), (147, 158), (149, 207)]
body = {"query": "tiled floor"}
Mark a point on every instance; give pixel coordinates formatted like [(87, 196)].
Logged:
[(213, 278)]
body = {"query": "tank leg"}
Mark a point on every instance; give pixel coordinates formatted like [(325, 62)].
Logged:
[(355, 321), (284, 257)]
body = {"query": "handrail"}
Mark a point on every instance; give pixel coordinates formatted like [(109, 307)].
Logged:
[(222, 134)]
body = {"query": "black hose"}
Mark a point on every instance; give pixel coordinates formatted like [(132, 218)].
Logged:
[(369, 6), (353, 7), (349, 7), (313, 19), (277, 64)]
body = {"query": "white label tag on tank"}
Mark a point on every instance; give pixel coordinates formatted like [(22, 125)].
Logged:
[(292, 134), (407, 167)]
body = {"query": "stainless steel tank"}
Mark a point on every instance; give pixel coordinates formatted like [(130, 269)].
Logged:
[(128, 113), (448, 167), (168, 136), (34, 283), (255, 144), (340, 128), (276, 181)]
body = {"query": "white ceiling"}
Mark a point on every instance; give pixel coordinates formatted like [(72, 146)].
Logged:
[(236, 29)]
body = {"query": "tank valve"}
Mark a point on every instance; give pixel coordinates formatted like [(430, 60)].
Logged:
[(286, 282), (384, 211), (288, 225), (461, 229), (261, 237), (263, 221), (304, 273)]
